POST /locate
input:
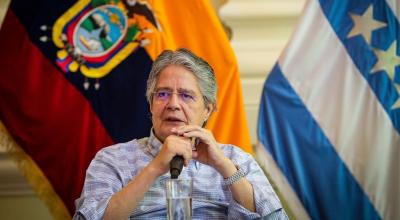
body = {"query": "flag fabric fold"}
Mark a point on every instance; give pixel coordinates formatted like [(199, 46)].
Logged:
[(329, 113), (74, 78)]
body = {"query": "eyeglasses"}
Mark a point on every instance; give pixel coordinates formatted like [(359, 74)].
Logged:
[(165, 95)]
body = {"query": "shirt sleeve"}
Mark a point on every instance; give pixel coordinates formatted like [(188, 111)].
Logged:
[(102, 180), (268, 205)]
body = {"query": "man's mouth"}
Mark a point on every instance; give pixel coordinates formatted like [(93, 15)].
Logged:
[(173, 119)]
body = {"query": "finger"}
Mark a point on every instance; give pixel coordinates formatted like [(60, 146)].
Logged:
[(179, 139), (184, 149), (193, 141), (175, 144), (198, 140), (182, 145), (188, 128), (203, 136), (187, 154)]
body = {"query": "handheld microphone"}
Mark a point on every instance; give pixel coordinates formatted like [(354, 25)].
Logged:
[(175, 166)]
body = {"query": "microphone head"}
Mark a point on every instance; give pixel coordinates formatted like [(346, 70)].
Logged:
[(174, 173), (175, 166)]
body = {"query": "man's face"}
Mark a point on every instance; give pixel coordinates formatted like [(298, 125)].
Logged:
[(177, 101)]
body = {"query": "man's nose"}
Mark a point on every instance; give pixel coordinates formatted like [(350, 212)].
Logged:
[(173, 102)]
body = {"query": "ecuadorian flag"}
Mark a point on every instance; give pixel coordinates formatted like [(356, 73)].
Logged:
[(329, 120), (73, 78)]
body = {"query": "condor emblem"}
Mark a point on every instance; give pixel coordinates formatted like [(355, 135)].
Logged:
[(93, 37)]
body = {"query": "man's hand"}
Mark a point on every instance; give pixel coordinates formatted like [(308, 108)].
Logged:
[(173, 145), (207, 151)]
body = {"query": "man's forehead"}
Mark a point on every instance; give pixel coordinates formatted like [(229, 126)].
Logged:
[(180, 79)]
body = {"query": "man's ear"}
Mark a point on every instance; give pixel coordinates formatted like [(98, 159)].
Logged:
[(210, 109)]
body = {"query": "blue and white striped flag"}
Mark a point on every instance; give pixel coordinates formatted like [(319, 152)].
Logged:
[(329, 120)]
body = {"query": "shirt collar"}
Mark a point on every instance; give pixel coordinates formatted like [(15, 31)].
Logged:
[(153, 143)]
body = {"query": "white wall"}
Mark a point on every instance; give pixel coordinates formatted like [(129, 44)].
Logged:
[(261, 29)]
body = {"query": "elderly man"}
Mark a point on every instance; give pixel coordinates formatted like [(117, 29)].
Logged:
[(127, 180)]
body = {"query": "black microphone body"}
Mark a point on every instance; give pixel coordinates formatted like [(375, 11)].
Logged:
[(175, 166)]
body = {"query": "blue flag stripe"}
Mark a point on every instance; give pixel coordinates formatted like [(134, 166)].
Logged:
[(280, 181), (306, 157), (395, 6)]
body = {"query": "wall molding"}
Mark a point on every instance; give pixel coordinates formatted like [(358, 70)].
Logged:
[(12, 183)]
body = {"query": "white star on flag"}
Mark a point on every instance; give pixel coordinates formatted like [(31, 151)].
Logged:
[(387, 60), (365, 24)]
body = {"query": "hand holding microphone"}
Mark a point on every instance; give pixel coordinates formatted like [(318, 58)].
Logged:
[(177, 147), (177, 161)]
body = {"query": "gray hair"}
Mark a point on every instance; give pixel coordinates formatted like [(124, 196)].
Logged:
[(203, 72)]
